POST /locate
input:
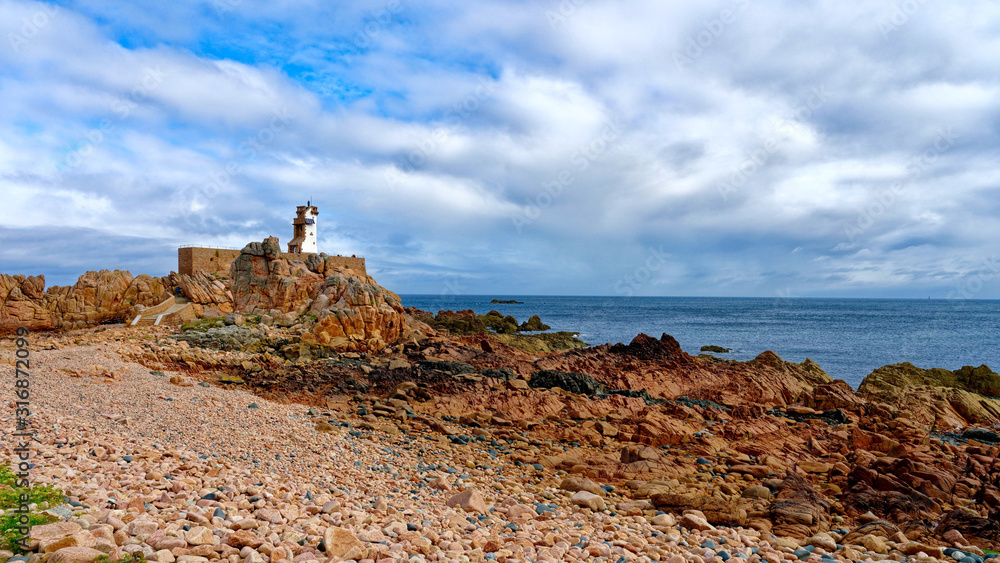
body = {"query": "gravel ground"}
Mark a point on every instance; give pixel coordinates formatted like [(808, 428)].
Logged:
[(194, 473)]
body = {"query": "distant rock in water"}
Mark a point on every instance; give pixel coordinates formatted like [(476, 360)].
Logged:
[(508, 301), (716, 349)]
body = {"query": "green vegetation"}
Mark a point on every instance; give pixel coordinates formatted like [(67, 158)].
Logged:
[(980, 380), (499, 323), (456, 323), (716, 349), (544, 342), (534, 324), (201, 325), (10, 498), (137, 558), (467, 322)]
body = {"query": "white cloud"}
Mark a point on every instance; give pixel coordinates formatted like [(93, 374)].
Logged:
[(445, 122)]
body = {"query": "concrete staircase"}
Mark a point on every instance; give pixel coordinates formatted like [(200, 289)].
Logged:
[(174, 310)]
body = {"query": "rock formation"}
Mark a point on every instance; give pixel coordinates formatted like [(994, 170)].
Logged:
[(95, 298), (663, 369), (940, 397), (344, 311)]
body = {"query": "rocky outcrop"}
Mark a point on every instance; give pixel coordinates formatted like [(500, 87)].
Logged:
[(799, 510), (24, 303), (211, 295), (96, 297), (664, 370), (937, 396), (339, 310), (980, 380)]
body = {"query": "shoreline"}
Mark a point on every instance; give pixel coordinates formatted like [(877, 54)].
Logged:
[(95, 400), (296, 410)]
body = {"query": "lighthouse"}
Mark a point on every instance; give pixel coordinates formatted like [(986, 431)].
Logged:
[(304, 230)]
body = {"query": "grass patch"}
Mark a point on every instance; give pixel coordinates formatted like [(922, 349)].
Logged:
[(137, 558), (201, 325), (10, 498), (543, 342)]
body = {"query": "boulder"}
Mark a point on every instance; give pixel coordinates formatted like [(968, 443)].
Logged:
[(979, 531), (589, 500), (633, 453), (75, 555), (574, 484), (799, 509), (339, 542), (695, 522), (243, 538), (534, 324), (715, 510), (469, 500)]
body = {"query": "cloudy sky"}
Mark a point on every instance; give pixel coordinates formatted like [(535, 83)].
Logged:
[(619, 147)]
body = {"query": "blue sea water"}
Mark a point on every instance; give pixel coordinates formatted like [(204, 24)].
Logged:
[(849, 338)]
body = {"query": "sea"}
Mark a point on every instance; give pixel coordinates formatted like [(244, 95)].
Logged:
[(848, 338)]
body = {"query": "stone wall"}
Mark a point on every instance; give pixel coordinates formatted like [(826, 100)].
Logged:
[(217, 260), (208, 260)]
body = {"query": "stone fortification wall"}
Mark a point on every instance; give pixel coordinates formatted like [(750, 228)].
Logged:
[(194, 259)]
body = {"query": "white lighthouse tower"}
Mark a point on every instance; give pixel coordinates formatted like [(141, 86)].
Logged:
[(304, 230)]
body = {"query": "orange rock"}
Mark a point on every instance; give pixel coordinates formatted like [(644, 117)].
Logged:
[(469, 500), (75, 555)]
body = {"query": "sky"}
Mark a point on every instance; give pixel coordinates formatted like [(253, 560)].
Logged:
[(806, 148)]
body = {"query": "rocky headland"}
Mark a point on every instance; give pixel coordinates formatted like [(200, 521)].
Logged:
[(306, 415)]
